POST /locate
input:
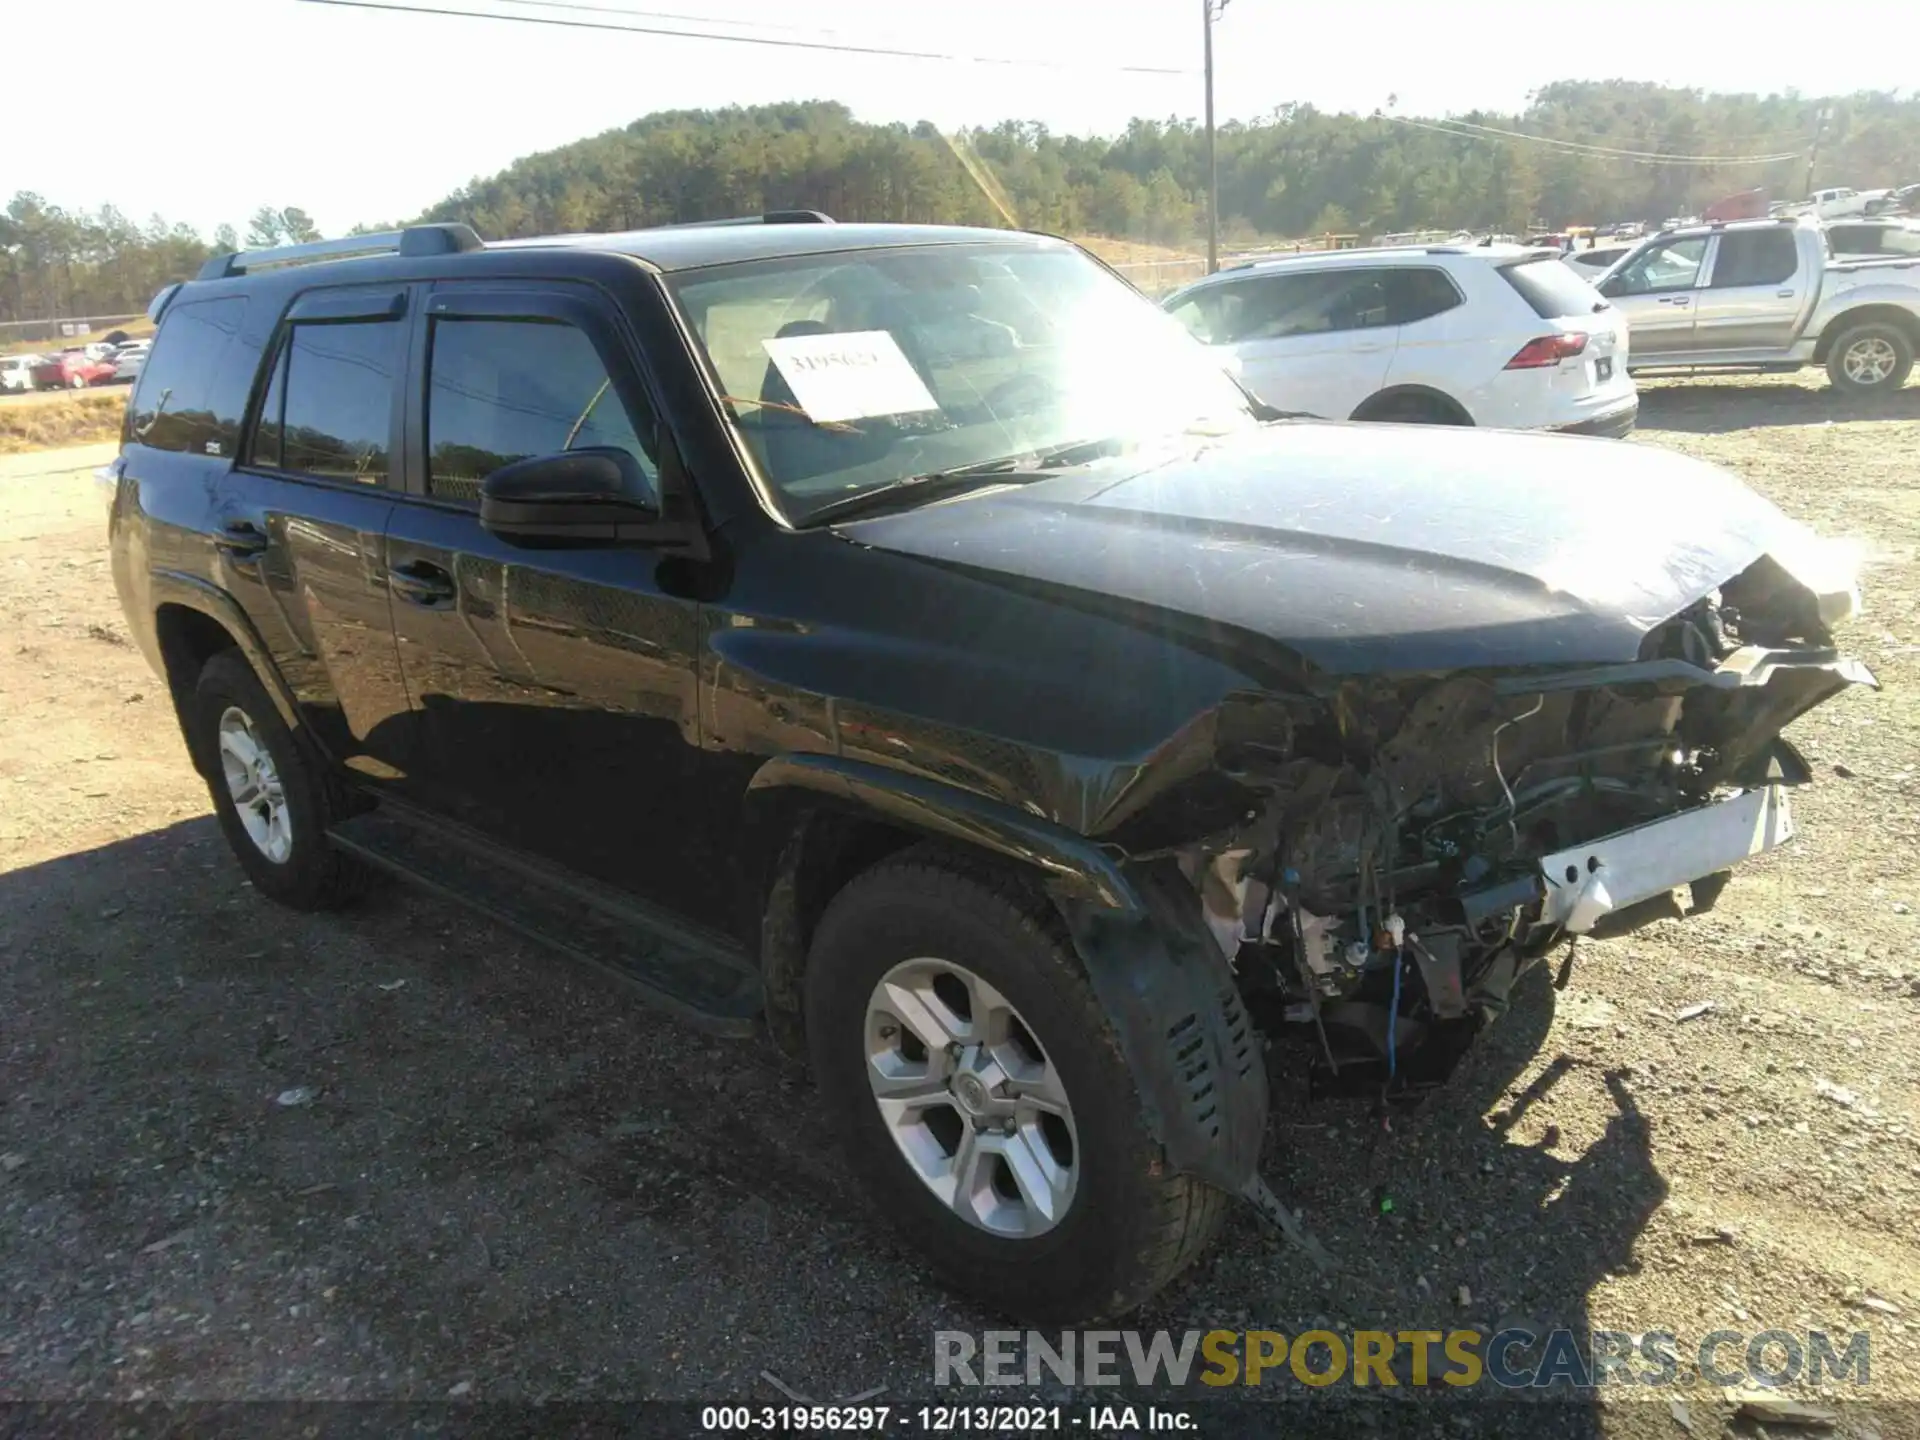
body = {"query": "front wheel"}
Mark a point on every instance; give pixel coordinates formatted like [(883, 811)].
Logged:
[(77, 382), (1870, 359), (980, 1094)]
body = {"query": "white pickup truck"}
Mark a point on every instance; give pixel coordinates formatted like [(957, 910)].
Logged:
[(1767, 295)]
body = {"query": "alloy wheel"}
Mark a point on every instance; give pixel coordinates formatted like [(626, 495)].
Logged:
[(976, 1108), (254, 785)]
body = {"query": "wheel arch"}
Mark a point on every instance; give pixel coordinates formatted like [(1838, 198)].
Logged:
[(813, 822), (1157, 971), (192, 622), (1902, 319), (1455, 412)]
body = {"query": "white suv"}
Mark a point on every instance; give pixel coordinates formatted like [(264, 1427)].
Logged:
[(1495, 335)]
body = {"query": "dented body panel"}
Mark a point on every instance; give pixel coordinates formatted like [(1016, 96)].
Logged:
[(1358, 684)]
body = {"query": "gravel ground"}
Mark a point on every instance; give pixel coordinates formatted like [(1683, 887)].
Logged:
[(504, 1180)]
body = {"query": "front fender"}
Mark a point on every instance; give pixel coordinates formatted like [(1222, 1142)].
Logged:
[(1167, 991), (1072, 866)]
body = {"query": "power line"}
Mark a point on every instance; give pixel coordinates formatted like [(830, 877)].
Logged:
[(768, 40), (621, 10), (1642, 157), (1627, 154)]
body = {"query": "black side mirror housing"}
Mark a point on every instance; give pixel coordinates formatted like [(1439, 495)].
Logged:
[(573, 498)]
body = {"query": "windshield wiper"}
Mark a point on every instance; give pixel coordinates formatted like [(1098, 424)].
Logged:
[(915, 489)]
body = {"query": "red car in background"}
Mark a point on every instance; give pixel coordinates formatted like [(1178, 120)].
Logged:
[(71, 370)]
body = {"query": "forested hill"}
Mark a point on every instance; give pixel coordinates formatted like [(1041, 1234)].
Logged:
[(1300, 171)]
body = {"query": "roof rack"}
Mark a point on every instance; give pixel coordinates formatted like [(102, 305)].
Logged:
[(772, 217), (415, 240)]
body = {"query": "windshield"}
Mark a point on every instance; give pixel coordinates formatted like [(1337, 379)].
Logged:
[(852, 371)]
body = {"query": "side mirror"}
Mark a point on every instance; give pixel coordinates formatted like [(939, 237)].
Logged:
[(577, 497)]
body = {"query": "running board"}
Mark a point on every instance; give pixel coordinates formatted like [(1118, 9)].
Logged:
[(696, 975)]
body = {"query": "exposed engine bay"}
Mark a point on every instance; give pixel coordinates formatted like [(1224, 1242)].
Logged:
[(1413, 845)]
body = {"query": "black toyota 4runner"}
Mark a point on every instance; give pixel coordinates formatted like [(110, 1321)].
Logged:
[(905, 644)]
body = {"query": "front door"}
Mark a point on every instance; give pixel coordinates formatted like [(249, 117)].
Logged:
[(1656, 292), (1317, 341), (553, 691), (1751, 300)]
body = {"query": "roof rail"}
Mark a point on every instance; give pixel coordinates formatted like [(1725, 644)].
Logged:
[(416, 240), (772, 217)]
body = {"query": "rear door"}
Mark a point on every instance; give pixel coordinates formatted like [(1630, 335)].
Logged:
[(1656, 290), (301, 518), (553, 691), (1752, 296), (1318, 341), (1437, 342)]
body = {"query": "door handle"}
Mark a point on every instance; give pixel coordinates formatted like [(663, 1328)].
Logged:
[(1676, 300), (1783, 294), (419, 583), (240, 540)]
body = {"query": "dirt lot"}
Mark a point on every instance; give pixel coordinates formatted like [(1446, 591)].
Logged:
[(514, 1180), (42, 419)]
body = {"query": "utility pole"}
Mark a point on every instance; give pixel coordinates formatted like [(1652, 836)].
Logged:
[(1209, 12), (1819, 134)]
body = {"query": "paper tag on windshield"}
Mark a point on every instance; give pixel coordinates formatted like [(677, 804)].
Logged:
[(849, 377)]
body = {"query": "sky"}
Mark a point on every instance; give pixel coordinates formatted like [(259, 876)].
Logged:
[(208, 109)]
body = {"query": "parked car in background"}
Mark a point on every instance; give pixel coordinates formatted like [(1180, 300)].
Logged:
[(1498, 335), (1766, 295), (1591, 264), (127, 362), (16, 372), (1839, 202), (71, 370), (1893, 236)]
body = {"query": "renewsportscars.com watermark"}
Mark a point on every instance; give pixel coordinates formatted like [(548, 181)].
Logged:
[(1512, 1359)]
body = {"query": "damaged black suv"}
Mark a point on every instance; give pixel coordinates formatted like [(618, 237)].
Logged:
[(905, 644)]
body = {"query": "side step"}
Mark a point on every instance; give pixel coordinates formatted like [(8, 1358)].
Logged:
[(701, 977)]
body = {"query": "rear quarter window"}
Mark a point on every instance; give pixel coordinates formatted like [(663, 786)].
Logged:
[(1552, 290), (193, 388)]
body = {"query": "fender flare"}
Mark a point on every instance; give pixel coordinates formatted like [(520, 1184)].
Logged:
[(1167, 990), (1073, 866), (191, 592)]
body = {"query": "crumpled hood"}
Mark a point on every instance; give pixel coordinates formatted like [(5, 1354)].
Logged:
[(1373, 548)]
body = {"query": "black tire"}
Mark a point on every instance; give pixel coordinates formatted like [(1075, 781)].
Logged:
[(1873, 331), (313, 875), (1131, 1226), (1409, 410)]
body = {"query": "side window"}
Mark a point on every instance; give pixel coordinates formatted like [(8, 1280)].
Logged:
[(1755, 257), (1674, 265), (329, 404), (1315, 303), (1418, 294), (502, 390), (191, 393), (1214, 314)]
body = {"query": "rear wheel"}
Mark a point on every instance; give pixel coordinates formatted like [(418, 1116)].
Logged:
[(1870, 359), (1410, 410), (979, 1092), (272, 804)]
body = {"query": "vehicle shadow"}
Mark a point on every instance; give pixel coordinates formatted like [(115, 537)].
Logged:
[(386, 1152), (1713, 405)]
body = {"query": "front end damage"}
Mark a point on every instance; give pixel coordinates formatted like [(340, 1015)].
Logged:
[(1402, 849)]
